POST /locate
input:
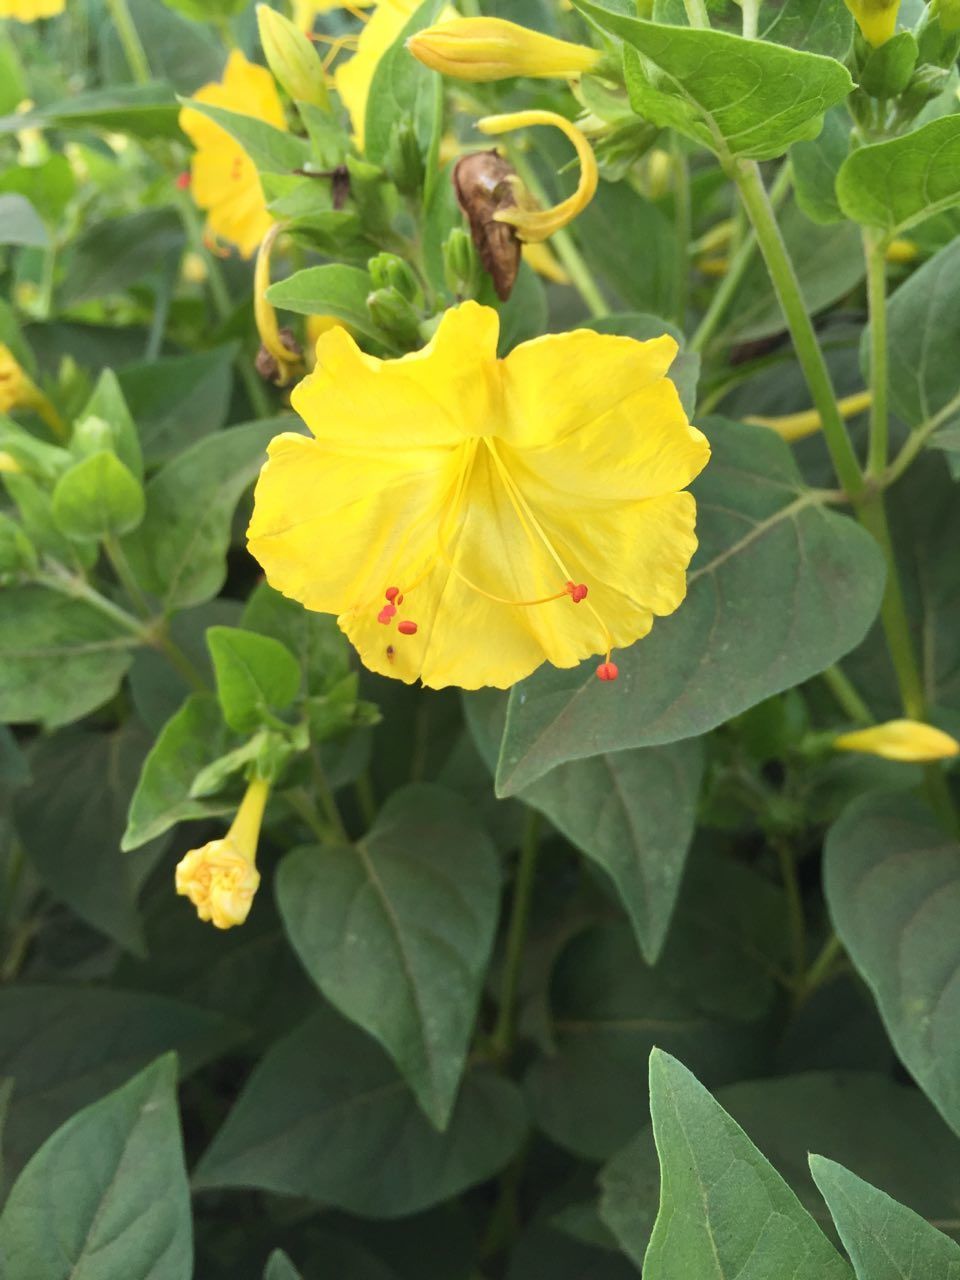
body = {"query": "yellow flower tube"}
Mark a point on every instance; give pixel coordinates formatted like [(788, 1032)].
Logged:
[(221, 877), (19, 391), (877, 19), (494, 49), (539, 224), (288, 360), (797, 426), (31, 10), (907, 741)]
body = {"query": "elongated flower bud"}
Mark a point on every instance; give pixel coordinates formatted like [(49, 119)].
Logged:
[(221, 877), (797, 426), (877, 19), (908, 741), (537, 224), (286, 358), (494, 49), (292, 58)]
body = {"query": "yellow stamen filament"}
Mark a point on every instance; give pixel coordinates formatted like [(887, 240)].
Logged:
[(539, 224), (796, 426), (287, 361)]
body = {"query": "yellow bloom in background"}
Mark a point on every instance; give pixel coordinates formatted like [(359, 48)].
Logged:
[(223, 179), (493, 49), (537, 224), (221, 877), (306, 12), (908, 741), (877, 19), (354, 75), (469, 518), (15, 384), (797, 426), (31, 10)]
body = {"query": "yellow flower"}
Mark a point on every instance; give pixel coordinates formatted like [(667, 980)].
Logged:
[(305, 12), (538, 224), (223, 178), (9, 464), (221, 878), (468, 518), (877, 19), (493, 49), (544, 263), (354, 76), (15, 385), (31, 10), (908, 741), (797, 426)]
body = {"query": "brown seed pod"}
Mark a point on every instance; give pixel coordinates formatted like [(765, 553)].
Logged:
[(483, 185)]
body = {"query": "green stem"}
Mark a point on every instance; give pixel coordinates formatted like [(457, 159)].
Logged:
[(504, 1033), (696, 13), (746, 175), (563, 243), (125, 575), (328, 802), (874, 248), (847, 696), (59, 579), (300, 802), (741, 260), (133, 50), (683, 219), (796, 922), (822, 967), (363, 789), (751, 15), (164, 643)]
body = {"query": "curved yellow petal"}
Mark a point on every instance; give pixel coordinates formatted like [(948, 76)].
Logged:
[(354, 76)]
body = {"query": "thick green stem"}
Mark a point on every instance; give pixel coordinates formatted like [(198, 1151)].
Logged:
[(746, 175), (697, 14), (847, 696), (751, 15), (737, 270), (324, 794), (129, 37), (874, 248), (504, 1034)]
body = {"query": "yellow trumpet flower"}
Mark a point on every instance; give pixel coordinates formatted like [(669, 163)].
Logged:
[(877, 19), (221, 877), (907, 741), (494, 49), (539, 224)]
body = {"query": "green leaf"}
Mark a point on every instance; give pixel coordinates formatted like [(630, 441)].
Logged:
[(892, 880), (321, 648), (177, 399), (819, 26), (66, 1046), (738, 97), (255, 674), (615, 221), (332, 290), (188, 742), (70, 820), (179, 551), (724, 1210), (98, 498), (279, 1267), (326, 1116), (107, 1195), (889, 1129), (146, 111), (6, 1089), (20, 223), (108, 403), (923, 333), (895, 184), (111, 256), (396, 932), (402, 88), (780, 588), (59, 657), (815, 168), (271, 149), (885, 1240), (887, 69)]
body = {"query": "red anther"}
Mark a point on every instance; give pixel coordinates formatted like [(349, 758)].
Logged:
[(407, 628), (577, 591), (183, 180), (391, 593), (607, 671), (386, 614)]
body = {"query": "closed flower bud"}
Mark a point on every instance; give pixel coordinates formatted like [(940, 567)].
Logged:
[(393, 313), (403, 161), (493, 49), (221, 877), (292, 58), (877, 19), (387, 271), (908, 741), (460, 265)]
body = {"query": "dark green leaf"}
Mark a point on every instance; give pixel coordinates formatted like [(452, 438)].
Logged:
[(322, 649), (815, 168), (326, 1116), (279, 1267), (780, 588), (146, 111), (397, 931), (20, 223), (177, 399), (923, 333), (887, 69), (898, 183), (615, 222), (724, 1210), (110, 256), (254, 675), (271, 149), (107, 1195), (819, 26)]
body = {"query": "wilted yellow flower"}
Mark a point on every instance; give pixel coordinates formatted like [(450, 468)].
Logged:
[(544, 263), (354, 75), (908, 741), (468, 518), (31, 10), (797, 426), (493, 49), (538, 224), (223, 178), (877, 19), (221, 878)]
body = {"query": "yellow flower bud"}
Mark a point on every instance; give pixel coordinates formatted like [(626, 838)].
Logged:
[(494, 49), (287, 360), (797, 426), (877, 19), (292, 58), (907, 741), (221, 877), (14, 383), (902, 251), (538, 224)]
